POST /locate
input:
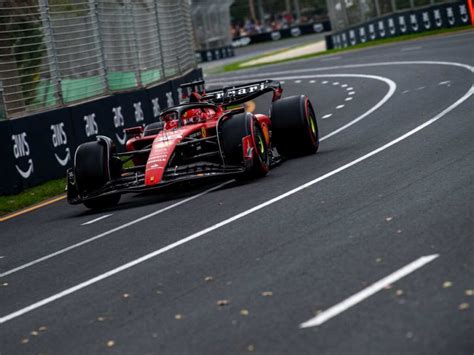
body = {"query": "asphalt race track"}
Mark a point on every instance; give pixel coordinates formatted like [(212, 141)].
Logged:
[(364, 248)]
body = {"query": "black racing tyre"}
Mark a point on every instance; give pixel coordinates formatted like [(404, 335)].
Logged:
[(294, 127), (92, 171), (153, 129), (232, 131)]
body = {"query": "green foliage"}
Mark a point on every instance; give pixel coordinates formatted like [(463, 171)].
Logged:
[(28, 49), (73, 7), (25, 39), (31, 196)]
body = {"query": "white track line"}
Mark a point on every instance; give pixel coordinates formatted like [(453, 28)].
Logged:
[(391, 84), (339, 107), (188, 239), (330, 58), (348, 99), (123, 226), (410, 49), (326, 116), (96, 220), (392, 88), (338, 67), (367, 292)]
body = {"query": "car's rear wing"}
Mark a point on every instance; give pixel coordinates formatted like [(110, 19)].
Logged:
[(239, 94), (234, 95)]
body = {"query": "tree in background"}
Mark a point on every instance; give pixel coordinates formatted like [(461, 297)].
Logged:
[(21, 53)]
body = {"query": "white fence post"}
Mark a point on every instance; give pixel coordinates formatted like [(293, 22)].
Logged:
[(51, 50)]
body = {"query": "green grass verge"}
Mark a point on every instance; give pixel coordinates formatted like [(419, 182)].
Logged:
[(37, 194), (237, 65), (31, 196), (34, 195)]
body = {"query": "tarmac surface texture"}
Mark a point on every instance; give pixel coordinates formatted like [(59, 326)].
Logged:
[(363, 248)]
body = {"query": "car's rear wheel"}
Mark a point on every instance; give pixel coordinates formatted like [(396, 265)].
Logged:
[(294, 126), (93, 169), (232, 132)]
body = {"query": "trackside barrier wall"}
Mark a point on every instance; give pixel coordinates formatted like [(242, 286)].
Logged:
[(401, 23), (41, 147)]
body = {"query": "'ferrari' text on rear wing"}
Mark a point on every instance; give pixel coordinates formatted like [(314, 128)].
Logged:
[(234, 95)]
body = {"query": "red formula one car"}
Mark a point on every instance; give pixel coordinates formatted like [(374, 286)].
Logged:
[(209, 136)]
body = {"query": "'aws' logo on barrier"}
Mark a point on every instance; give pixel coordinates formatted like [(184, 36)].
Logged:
[(119, 123), (372, 34), (276, 36), (59, 138), (391, 26), (139, 116), (295, 32), (437, 18), (381, 27), (155, 104), (91, 126), (414, 23), (180, 95), (426, 20), (169, 99), (402, 24), (21, 149), (352, 37), (450, 15), (463, 13)]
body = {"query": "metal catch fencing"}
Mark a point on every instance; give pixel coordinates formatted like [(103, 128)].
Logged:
[(211, 20), (58, 52), (346, 13)]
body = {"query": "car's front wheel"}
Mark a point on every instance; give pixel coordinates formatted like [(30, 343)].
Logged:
[(93, 169), (232, 134)]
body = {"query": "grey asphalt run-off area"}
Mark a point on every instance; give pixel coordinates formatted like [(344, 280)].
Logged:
[(363, 248)]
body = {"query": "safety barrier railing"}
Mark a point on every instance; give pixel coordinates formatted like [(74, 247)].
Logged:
[(348, 13), (57, 52)]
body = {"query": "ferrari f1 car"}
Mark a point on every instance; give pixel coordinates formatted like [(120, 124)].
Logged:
[(210, 135)]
